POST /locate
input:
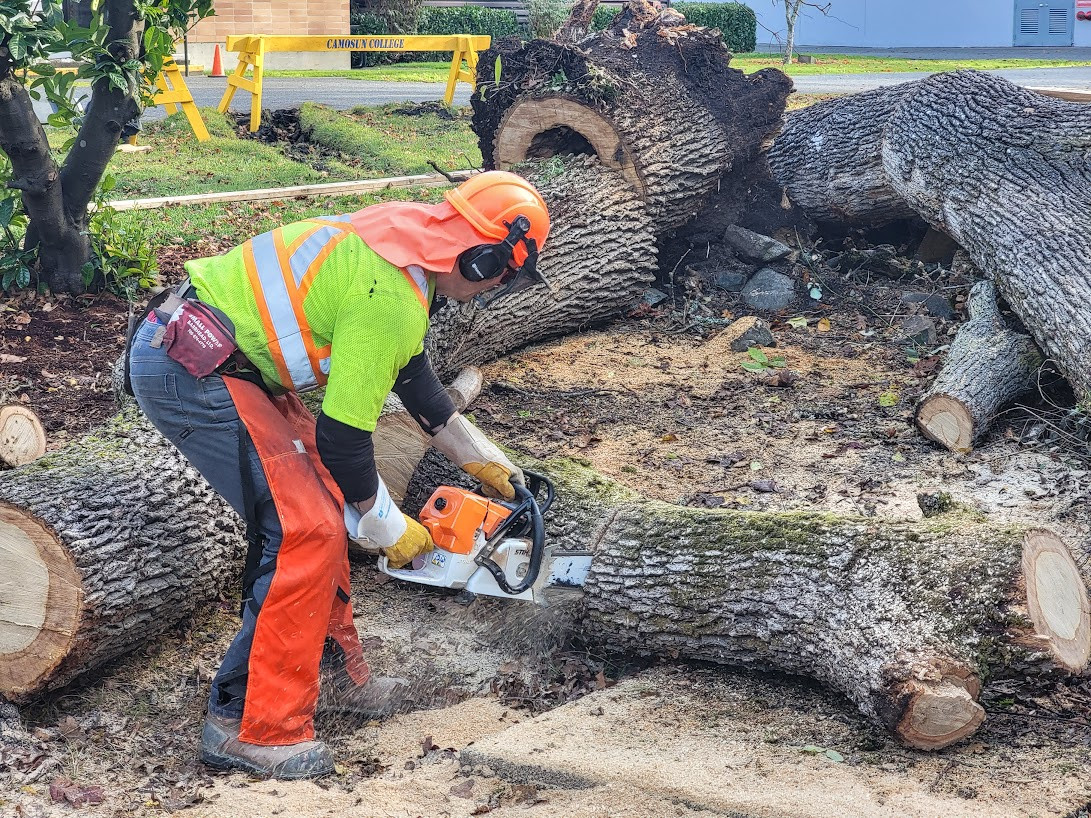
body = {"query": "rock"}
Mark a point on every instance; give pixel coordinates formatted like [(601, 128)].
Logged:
[(755, 245), (748, 331), (725, 272), (934, 304), (769, 291), (731, 281), (918, 329), (653, 297)]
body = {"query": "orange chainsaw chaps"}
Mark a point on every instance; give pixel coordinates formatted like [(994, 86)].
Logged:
[(302, 606)]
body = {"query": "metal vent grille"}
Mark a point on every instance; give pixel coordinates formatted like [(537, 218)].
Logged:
[(1029, 21), (1058, 21)]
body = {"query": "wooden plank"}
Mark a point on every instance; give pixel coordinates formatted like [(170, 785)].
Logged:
[(296, 192)]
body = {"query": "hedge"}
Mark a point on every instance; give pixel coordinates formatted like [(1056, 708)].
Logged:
[(737, 23)]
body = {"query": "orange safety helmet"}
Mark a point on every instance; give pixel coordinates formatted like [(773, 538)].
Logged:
[(491, 201)]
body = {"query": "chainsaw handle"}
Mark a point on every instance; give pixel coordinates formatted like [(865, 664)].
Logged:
[(527, 506)]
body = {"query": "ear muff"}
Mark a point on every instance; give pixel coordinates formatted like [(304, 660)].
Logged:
[(488, 261)]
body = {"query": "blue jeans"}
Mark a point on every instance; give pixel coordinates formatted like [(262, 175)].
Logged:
[(200, 419)]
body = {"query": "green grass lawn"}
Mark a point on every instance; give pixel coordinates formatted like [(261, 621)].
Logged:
[(824, 64), (234, 222), (368, 143)]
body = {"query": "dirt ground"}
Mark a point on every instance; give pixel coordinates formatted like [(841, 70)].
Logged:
[(511, 714)]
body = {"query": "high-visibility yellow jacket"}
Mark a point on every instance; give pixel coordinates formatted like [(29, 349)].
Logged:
[(314, 306)]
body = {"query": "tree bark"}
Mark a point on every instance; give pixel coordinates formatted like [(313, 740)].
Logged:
[(906, 619), (651, 97), (828, 158), (988, 366), (577, 25)]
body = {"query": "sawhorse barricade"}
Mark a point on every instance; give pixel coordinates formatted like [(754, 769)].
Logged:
[(252, 49), (174, 92)]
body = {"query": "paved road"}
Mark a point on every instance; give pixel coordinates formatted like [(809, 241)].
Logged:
[(285, 92)]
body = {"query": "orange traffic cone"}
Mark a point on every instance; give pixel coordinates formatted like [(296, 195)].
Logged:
[(217, 65)]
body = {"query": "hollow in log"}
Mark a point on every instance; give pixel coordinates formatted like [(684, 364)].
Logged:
[(988, 366)]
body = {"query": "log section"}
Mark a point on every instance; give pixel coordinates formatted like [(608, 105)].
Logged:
[(988, 366), (903, 618), (104, 545), (22, 438), (652, 97)]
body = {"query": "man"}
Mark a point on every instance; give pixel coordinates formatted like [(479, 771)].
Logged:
[(341, 302)]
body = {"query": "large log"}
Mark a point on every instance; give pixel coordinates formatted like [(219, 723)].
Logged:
[(104, 545), (906, 619), (1000, 169), (600, 257), (651, 96), (988, 366)]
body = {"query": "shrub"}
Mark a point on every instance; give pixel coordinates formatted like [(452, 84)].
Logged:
[(469, 20), (496, 23), (737, 23), (368, 22), (603, 16), (546, 16)]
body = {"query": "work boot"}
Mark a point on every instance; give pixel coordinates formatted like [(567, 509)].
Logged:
[(222, 749), (378, 697)]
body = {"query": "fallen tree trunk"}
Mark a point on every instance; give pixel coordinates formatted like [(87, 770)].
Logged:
[(651, 97), (600, 258), (988, 366), (104, 545), (1000, 169), (906, 619)]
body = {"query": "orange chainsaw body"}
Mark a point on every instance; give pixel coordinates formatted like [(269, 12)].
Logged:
[(454, 516)]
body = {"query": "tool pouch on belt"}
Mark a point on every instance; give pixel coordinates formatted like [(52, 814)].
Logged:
[(198, 339)]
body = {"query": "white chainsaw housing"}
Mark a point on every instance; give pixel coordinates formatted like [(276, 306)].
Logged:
[(445, 569)]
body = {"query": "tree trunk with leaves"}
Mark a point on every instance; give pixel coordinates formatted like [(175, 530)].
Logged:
[(121, 53)]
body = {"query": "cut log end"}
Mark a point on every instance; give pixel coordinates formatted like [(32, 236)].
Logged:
[(939, 713), (22, 438), (1057, 600), (40, 595), (540, 127), (947, 421)]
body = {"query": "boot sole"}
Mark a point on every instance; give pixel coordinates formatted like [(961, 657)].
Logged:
[(224, 762)]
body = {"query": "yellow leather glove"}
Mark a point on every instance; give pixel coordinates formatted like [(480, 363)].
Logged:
[(467, 447), (415, 541), (384, 528)]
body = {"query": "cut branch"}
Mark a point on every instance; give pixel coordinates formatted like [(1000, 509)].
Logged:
[(987, 367), (22, 438)]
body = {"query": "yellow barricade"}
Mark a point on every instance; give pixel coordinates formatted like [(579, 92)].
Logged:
[(252, 49), (173, 92)]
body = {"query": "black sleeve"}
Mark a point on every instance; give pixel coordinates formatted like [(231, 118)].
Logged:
[(423, 395), (349, 454)]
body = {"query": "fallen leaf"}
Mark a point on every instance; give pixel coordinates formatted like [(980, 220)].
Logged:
[(763, 486), (799, 322), (11, 359), (824, 325), (463, 789), (669, 438)]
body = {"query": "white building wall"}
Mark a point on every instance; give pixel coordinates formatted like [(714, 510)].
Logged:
[(901, 23)]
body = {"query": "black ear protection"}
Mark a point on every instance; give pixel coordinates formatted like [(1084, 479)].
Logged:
[(488, 261)]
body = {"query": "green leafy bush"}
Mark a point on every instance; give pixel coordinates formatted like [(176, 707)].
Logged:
[(546, 16), (122, 260), (367, 22), (737, 22), (469, 20), (603, 16)]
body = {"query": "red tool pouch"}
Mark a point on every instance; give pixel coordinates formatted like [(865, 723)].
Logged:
[(198, 340)]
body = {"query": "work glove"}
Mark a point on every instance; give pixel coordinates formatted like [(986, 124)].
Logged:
[(467, 447), (402, 539)]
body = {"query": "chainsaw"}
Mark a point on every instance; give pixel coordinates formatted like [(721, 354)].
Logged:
[(493, 547)]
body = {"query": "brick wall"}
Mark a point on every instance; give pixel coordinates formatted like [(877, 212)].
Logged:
[(272, 17)]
